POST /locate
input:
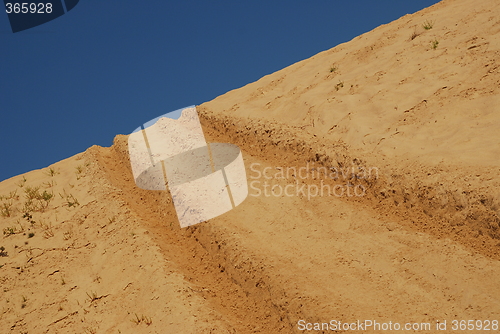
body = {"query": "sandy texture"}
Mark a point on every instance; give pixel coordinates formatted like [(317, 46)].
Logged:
[(427, 118), (421, 244)]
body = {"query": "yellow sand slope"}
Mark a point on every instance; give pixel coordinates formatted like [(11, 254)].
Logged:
[(86, 251)]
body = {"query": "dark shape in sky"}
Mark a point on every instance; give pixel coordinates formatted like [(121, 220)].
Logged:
[(70, 4)]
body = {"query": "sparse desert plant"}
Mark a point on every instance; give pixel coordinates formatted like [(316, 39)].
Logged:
[(434, 44), (47, 230), (143, 319), (49, 184), (12, 195), (333, 69), (21, 183), (36, 201), (428, 25), (31, 235), (30, 206), (20, 225), (31, 192), (51, 172), (23, 305), (68, 235), (3, 253), (92, 296), (69, 199), (9, 231), (46, 198), (339, 85), (6, 209), (79, 171), (90, 330), (414, 34)]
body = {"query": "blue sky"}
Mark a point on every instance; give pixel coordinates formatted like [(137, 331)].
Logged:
[(106, 67)]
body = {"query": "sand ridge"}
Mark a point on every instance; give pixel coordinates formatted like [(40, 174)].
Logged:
[(422, 244)]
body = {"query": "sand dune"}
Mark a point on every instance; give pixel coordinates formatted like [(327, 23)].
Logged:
[(414, 240)]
